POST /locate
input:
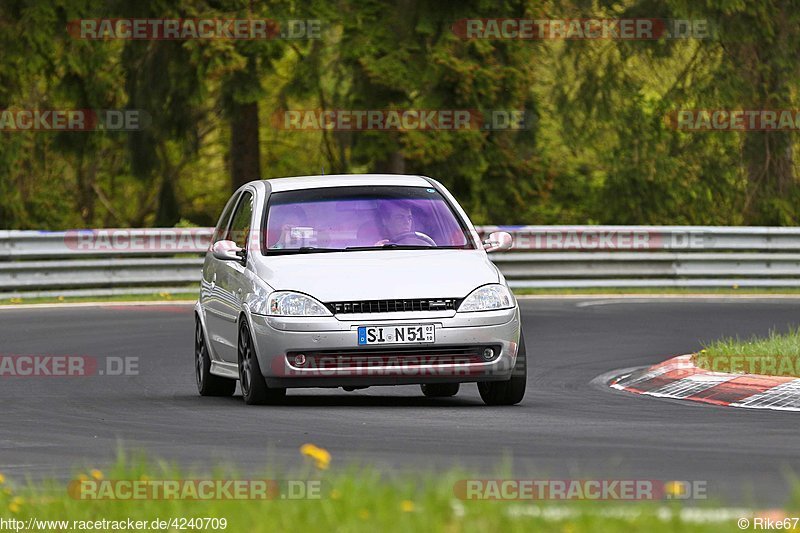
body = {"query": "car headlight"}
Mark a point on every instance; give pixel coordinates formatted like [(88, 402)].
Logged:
[(294, 304), (487, 298)]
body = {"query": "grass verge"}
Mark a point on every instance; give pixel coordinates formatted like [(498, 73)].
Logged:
[(647, 291), (349, 500), (155, 297), (777, 354)]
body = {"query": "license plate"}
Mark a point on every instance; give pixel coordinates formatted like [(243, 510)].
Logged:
[(418, 334)]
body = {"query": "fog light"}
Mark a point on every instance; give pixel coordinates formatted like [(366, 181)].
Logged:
[(299, 360), (488, 354)]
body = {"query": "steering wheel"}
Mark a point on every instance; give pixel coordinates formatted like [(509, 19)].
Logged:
[(413, 235)]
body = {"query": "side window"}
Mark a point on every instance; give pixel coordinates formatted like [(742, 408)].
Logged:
[(240, 224), (222, 225)]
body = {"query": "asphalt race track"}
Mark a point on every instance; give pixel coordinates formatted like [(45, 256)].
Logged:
[(567, 426)]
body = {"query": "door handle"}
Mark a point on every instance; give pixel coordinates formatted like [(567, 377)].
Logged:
[(214, 280)]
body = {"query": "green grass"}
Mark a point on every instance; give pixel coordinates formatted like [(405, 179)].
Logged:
[(645, 291), (775, 355), (155, 297), (352, 499)]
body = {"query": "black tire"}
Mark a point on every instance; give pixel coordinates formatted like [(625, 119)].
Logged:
[(207, 383), (512, 391), (440, 390), (254, 387)]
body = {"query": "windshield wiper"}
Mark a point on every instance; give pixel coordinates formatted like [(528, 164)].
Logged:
[(301, 250), (393, 246)]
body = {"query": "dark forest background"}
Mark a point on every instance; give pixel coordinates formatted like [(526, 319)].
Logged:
[(599, 151)]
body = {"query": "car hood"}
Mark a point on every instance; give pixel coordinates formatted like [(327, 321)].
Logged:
[(378, 275)]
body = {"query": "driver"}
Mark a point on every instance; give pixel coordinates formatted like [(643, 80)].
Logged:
[(397, 219)]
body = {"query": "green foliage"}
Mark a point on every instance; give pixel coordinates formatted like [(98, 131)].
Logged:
[(598, 151), (777, 354), (343, 498)]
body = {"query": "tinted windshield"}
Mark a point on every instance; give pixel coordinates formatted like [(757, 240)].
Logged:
[(353, 218)]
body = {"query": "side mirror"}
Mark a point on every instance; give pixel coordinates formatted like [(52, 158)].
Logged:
[(227, 251), (498, 241)]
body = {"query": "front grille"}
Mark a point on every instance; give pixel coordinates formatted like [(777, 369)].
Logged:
[(392, 306)]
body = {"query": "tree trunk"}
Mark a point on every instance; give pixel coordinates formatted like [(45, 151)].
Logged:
[(770, 175), (168, 213), (245, 156), (394, 163)]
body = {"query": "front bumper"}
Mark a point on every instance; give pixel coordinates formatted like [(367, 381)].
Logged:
[(334, 358)]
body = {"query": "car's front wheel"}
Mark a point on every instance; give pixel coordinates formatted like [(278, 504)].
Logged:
[(254, 387), (512, 391), (207, 383), (440, 390)]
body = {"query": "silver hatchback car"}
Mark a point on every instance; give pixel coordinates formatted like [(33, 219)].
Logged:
[(353, 281)]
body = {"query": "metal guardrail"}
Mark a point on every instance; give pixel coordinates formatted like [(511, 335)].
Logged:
[(129, 260)]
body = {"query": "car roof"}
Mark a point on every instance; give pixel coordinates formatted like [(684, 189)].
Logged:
[(345, 180)]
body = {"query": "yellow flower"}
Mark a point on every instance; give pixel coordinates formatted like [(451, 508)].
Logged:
[(17, 500), (2, 479), (674, 488), (96, 474), (363, 514), (407, 506), (13, 507), (335, 494), (83, 477), (321, 456), (60, 298), (144, 477)]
